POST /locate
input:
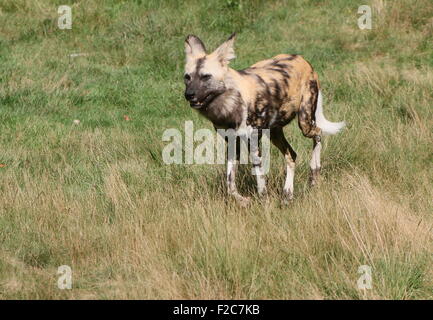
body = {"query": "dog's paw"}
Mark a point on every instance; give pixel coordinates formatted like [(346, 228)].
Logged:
[(287, 198), (241, 200), (264, 198), (244, 201), (314, 177)]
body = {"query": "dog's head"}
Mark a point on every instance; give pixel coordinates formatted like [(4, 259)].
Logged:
[(205, 73)]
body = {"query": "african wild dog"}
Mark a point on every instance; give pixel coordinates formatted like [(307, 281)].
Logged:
[(267, 95)]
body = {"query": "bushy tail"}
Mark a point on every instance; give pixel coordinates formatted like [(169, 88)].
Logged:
[(327, 127)]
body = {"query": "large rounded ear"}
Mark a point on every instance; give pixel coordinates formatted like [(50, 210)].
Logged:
[(226, 52), (194, 46)]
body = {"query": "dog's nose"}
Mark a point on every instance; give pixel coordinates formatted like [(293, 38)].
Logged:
[(190, 96)]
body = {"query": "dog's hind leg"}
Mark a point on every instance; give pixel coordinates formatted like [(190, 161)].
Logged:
[(307, 110), (314, 125), (309, 128), (315, 161), (278, 139), (257, 160)]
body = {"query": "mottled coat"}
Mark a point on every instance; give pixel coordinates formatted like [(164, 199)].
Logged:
[(267, 95)]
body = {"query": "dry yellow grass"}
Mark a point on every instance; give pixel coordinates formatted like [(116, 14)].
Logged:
[(149, 248)]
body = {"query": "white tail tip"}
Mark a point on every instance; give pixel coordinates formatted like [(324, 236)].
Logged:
[(328, 127)]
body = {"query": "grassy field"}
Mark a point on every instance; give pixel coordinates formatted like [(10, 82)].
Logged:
[(96, 196)]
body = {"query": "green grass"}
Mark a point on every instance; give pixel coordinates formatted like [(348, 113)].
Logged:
[(97, 196)]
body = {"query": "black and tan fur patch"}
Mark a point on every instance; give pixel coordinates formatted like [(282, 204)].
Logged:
[(283, 86)]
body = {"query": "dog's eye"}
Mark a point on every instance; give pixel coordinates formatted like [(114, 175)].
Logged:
[(205, 77), (187, 77)]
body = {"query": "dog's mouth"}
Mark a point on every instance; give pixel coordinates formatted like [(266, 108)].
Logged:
[(205, 102), (196, 105)]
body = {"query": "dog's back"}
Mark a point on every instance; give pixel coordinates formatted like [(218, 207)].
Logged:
[(275, 88)]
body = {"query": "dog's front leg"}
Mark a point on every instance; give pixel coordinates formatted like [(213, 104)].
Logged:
[(258, 171), (231, 183)]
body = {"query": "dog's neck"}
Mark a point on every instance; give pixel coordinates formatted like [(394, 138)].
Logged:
[(226, 110)]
